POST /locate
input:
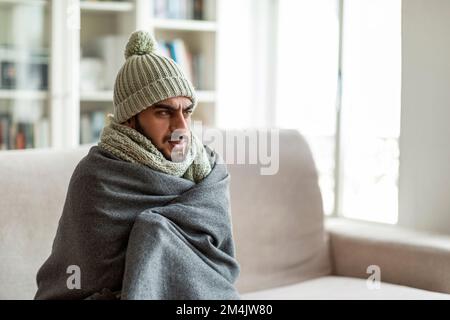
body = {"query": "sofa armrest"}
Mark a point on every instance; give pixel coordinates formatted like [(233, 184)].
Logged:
[(405, 257)]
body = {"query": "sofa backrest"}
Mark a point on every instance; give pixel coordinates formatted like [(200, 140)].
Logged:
[(277, 219), (32, 193)]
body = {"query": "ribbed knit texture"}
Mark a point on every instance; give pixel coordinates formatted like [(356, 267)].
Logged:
[(129, 145), (147, 78)]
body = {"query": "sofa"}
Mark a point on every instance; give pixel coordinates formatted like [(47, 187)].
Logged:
[(286, 248)]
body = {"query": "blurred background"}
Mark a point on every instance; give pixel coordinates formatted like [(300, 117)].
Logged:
[(365, 81)]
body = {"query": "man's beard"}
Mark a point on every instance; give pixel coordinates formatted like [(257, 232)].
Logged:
[(138, 128)]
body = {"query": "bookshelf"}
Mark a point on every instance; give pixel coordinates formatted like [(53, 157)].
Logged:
[(81, 62), (24, 74), (177, 28)]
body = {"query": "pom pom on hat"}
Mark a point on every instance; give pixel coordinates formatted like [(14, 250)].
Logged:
[(140, 43)]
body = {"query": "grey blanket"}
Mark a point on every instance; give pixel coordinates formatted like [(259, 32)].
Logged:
[(142, 234)]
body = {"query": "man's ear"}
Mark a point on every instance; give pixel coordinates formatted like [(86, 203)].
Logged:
[(130, 122)]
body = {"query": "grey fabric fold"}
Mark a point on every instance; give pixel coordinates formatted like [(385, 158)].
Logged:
[(143, 234)]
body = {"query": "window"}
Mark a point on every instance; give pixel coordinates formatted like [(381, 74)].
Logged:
[(370, 120), (307, 81), (307, 78)]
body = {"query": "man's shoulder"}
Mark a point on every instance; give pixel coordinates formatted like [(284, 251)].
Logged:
[(100, 166), (88, 167), (95, 158)]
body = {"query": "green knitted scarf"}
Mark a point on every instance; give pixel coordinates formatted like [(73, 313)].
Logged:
[(129, 145)]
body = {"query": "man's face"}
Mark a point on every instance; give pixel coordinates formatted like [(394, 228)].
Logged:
[(164, 122)]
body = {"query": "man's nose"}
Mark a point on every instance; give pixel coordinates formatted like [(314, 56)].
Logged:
[(179, 122)]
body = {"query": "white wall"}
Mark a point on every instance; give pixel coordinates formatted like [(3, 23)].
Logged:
[(424, 183)]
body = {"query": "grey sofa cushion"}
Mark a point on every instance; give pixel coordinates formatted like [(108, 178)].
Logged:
[(277, 219), (32, 194)]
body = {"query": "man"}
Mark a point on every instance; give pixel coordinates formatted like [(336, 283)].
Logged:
[(147, 211), (159, 123)]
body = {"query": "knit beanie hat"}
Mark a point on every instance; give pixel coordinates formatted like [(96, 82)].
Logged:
[(147, 78)]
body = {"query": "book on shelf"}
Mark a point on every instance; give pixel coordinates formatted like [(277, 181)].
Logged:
[(198, 10), (190, 63), (23, 69), (180, 9), (109, 61), (5, 123), (98, 122), (22, 135), (198, 65), (85, 129), (91, 126), (32, 76), (8, 72)]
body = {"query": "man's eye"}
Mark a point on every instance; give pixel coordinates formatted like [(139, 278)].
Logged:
[(163, 113), (188, 112)]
